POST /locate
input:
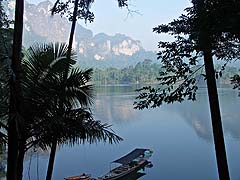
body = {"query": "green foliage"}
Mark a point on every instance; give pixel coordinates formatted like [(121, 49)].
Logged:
[(60, 107), (235, 80), (3, 160), (202, 27), (143, 72), (65, 8), (6, 36), (4, 21)]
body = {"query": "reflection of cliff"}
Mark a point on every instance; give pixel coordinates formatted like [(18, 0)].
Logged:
[(197, 114), (201, 124), (114, 109), (114, 104), (231, 113)]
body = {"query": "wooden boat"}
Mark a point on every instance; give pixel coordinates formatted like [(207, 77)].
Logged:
[(79, 177), (131, 162), (133, 176)]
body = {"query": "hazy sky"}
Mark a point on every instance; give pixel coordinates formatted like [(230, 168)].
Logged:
[(111, 20)]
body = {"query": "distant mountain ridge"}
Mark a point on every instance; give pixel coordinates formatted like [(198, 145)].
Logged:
[(100, 50)]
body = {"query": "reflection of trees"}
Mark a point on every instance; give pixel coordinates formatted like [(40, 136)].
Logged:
[(114, 108), (115, 103), (118, 107), (197, 115), (2, 161)]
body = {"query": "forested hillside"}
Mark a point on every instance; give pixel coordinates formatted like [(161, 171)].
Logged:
[(146, 72)]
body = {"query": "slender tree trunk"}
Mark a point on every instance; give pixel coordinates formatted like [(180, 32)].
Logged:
[(70, 44), (12, 150), (15, 92), (21, 155), (74, 21), (51, 160), (206, 46), (215, 113), (70, 41)]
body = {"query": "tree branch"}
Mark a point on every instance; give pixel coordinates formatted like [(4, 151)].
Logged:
[(4, 126)]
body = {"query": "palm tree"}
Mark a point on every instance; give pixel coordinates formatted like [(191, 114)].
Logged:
[(61, 112)]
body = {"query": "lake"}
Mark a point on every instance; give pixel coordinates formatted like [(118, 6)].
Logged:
[(179, 134)]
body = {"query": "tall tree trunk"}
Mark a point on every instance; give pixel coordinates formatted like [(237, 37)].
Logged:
[(15, 92), (74, 21), (215, 112), (51, 160), (12, 149), (71, 35), (20, 160), (70, 44)]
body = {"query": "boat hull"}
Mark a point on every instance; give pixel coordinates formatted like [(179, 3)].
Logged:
[(125, 173), (79, 177)]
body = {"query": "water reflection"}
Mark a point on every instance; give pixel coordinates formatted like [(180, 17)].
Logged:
[(114, 108), (197, 114), (114, 105), (178, 133), (230, 103), (168, 125)]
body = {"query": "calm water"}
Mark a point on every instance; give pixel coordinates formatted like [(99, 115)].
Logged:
[(179, 134)]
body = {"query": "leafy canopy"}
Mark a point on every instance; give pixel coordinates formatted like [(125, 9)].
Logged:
[(64, 7), (182, 58)]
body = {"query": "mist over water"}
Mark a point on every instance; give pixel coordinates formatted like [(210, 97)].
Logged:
[(179, 134)]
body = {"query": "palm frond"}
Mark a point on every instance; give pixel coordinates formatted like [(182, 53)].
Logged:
[(85, 129), (42, 60), (78, 87), (60, 105)]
